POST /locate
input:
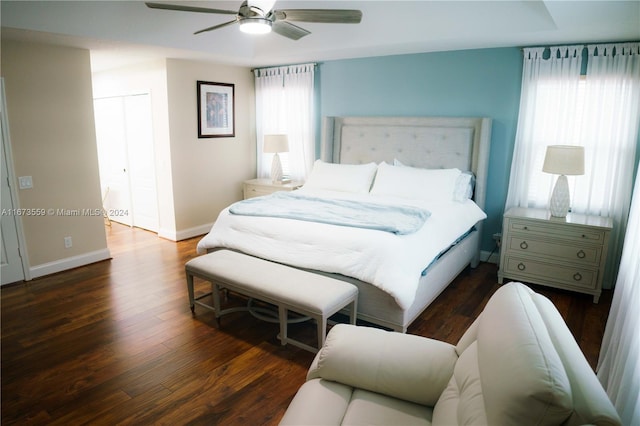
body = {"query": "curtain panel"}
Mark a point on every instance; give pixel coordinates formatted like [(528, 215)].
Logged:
[(619, 361), (548, 88), (285, 105), (600, 111)]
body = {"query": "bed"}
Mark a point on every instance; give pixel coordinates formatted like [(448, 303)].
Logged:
[(385, 147)]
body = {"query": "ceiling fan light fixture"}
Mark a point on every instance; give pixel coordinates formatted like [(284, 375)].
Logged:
[(255, 25)]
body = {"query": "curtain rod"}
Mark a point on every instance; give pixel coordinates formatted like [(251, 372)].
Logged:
[(315, 64), (584, 45), (556, 45)]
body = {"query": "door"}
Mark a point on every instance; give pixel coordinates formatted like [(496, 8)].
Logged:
[(112, 159), (127, 167), (141, 160), (11, 269)]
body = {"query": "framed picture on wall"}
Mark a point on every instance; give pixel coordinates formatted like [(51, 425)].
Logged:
[(216, 110)]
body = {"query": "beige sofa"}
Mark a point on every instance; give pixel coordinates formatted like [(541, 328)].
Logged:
[(517, 364)]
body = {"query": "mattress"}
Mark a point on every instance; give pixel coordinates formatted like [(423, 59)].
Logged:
[(394, 263)]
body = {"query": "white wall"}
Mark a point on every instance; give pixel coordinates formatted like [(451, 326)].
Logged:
[(207, 173), (50, 111)]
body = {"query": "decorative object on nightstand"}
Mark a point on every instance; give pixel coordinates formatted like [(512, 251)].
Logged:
[(562, 160), (275, 144), (258, 187), (568, 253)]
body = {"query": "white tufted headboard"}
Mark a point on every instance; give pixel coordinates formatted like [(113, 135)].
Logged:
[(428, 142)]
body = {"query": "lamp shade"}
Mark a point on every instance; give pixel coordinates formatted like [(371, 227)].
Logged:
[(564, 160), (276, 143)]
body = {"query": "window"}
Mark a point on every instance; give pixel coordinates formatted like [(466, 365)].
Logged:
[(285, 105), (600, 111)]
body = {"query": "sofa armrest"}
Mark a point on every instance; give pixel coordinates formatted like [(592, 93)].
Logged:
[(404, 366)]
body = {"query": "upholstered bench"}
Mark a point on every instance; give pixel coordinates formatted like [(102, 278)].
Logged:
[(290, 289)]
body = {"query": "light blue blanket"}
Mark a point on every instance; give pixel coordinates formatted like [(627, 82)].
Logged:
[(290, 205)]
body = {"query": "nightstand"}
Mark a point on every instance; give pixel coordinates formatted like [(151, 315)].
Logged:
[(568, 253), (257, 187)]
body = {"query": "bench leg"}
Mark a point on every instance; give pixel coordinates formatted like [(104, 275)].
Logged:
[(282, 315), (192, 304), (215, 295), (353, 311), (322, 330)]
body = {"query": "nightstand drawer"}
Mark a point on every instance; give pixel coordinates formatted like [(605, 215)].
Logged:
[(527, 268), (259, 187), (560, 230), (251, 191), (527, 246)]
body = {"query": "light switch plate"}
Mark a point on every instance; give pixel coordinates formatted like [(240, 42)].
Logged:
[(25, 182)]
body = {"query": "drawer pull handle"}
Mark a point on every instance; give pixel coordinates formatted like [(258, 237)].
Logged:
[(521, 267), (577, 276), (524, 245), (581, 254)]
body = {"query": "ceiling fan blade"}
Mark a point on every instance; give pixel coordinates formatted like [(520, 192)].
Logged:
[(215, 27), (183, 8), (289, 30), (328, 16)]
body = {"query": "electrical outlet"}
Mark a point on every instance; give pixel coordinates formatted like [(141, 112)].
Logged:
[(25, 182), (498, 238), (68, 242)]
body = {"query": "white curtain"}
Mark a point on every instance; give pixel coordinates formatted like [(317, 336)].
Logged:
[(285, 105), (548, 87), (600, 112), (619, 362)]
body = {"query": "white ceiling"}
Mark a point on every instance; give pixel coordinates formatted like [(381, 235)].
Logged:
[(119, 32)]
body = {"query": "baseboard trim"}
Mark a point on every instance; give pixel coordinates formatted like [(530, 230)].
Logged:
[(167, 234), (490, 256), (69, 263), (184, 234)]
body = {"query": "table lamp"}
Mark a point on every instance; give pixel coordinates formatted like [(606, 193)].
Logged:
[(562, 160), (275, 144)]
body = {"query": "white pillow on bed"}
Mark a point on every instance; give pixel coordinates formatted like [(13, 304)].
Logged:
[(465, 184), (341, 177), (415, 183)]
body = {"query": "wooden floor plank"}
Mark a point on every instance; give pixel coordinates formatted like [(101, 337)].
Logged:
[(115, 342)]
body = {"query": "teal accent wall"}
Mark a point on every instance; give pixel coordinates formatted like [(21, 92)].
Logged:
[(466, 83)]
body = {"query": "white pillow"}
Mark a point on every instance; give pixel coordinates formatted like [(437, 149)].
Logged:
[(464, 187), (341, 177), (415, 183)]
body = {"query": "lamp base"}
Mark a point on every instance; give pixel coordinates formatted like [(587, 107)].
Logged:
[(560, 198), (276, 169)]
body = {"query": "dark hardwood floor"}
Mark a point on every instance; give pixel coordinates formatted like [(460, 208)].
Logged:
[(115, 342)]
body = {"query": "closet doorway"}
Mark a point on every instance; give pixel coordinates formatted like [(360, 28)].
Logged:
[(124, 134)]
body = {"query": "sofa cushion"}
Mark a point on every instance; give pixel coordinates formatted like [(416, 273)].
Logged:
[(522, 376), (469, 336), (462, 402), (370, 408), (318, 402), (400, 365)]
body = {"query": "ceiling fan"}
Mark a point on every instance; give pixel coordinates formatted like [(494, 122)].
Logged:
[(258, 17)]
